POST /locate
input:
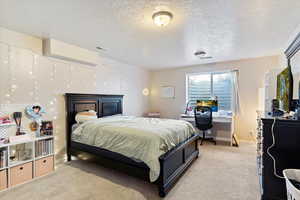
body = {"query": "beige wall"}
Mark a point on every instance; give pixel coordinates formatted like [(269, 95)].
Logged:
[(28, 77), (252, 72)]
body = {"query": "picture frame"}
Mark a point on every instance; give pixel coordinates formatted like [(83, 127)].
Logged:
[(46, 128), (167, 92)]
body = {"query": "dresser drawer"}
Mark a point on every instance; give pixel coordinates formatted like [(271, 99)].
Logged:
[(44, 166), (3, 179), (20, 174)]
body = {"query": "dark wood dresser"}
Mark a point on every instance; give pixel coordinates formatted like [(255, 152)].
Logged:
[(286, 152)]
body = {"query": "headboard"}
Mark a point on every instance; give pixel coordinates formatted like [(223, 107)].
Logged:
[(104, 105)]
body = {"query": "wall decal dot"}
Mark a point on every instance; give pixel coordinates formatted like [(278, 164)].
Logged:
[(10, 77)]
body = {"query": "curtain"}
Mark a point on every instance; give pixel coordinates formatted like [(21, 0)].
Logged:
[(236, 109)]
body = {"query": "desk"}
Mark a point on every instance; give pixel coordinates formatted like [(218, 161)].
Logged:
[(223, 126)]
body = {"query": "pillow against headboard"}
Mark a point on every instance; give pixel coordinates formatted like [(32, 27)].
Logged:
[(85, 116)]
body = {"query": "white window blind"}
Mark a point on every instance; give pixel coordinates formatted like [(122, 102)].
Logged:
[(205, 86)]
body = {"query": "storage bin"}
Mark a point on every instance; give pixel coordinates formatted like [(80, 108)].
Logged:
[(3, 179), (44, 166), (20, 174)]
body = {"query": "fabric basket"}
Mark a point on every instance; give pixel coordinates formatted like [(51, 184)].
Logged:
[(292, 192)]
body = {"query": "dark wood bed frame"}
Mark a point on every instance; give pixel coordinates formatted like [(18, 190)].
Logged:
[(173, 163)]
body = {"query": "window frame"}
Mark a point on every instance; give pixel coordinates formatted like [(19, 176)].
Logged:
[(187, 75)]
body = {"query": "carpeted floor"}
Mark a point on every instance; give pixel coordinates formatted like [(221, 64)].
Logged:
[(220, 173)]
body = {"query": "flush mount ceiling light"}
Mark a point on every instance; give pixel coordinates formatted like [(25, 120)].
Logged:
[(162, 18), (202, 55), (100, 48)]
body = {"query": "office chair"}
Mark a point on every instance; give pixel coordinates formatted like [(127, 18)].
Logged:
[(203, 121)]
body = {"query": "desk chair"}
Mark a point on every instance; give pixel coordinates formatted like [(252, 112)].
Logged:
[(203, 121)]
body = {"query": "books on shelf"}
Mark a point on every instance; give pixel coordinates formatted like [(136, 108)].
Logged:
[(3, 158), (43, 147)]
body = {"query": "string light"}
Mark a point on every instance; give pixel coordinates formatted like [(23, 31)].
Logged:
[(8, 94), (53, 73), (14, 86), (14, 61), (35, 59), (70, 77), (95, 80), (33, 74)]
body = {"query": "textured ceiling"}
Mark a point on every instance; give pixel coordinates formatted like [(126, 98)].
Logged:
[(227, 30)]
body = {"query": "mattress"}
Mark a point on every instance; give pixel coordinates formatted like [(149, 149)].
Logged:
[(144, 139)]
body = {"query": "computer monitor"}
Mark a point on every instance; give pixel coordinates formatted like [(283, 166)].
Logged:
[(210, 103)]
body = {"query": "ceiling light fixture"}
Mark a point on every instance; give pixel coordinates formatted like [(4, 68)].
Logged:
[(162, 18), (202, 55), (100, 48)]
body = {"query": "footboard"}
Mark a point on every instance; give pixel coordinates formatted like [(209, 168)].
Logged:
[(174, 163)]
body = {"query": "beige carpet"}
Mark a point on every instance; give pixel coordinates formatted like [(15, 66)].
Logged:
[(220, 173)]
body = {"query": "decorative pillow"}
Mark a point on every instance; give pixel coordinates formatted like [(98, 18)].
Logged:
[(85, 116)]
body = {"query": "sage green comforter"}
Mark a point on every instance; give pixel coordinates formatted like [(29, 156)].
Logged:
[(144, 139)]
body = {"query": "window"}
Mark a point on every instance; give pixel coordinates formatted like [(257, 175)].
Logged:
[(205, 86)]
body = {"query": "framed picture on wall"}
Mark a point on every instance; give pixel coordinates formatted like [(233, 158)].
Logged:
[(167, 92)]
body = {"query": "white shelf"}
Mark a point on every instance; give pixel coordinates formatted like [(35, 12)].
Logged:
[(27, 141), (16, 143), (32, 143), (7, 125), (3, 168), (16, 163), (19, 142), (44, 137), (4, 145), (40, 157)]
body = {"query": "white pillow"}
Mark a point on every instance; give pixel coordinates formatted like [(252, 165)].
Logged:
[(116, 115), (85, 116)]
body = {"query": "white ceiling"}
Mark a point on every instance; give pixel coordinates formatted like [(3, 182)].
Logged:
[(226, 29)]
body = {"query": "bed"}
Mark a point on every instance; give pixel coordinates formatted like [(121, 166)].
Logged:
[(172, 163)]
